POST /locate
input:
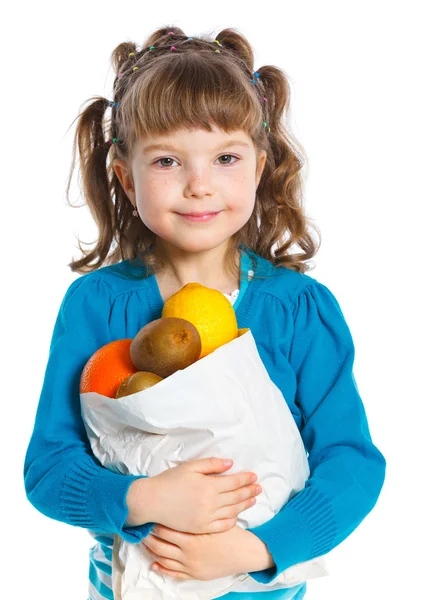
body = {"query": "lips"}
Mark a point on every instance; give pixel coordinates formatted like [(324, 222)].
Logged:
[(197, 214), (199, 217)]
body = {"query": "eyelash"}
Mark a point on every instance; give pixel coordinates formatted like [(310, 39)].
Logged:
[(173, 159)]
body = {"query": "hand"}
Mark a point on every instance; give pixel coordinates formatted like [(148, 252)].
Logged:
[(206, 556), (189, 498)]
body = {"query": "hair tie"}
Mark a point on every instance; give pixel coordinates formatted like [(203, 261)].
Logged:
[(173, 48), (113, 141), (257, 75), (111, 103), (131, 54), (150, 48)]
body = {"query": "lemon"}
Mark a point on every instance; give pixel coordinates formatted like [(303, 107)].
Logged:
[(209, 310)]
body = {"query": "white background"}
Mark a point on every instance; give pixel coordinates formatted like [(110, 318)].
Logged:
[(362, 82)]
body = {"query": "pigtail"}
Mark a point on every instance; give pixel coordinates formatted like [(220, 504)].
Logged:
[(122, 54), (109, 205), (235, 42), (92, 149), (283, 224), (166, 34)]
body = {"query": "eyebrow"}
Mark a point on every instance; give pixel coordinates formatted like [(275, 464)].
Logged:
[(163, 146)]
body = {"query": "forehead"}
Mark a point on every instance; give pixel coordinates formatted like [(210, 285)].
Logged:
[(195, 139)]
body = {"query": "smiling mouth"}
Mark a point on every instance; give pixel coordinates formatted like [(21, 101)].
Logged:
[(198, 214), (202, 217)]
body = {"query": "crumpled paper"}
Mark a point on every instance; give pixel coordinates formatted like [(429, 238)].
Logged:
[(223, 405)]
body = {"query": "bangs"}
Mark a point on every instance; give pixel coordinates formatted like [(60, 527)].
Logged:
[(189, 90)]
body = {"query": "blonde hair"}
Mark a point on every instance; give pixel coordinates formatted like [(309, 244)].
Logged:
[(161, 90)]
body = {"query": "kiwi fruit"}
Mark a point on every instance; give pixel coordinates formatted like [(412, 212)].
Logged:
[(136, 383), (166, 345)]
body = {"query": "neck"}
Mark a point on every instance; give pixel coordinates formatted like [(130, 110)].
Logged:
[(205, 267)]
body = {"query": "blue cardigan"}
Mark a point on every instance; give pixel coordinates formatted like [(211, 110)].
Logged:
[(307, 348)]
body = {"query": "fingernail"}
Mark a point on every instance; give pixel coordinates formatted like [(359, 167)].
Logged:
[(228, 462)]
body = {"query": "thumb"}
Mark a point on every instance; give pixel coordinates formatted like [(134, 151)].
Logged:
[(209, 465)]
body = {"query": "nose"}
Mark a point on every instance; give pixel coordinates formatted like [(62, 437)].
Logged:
[(198, 183)]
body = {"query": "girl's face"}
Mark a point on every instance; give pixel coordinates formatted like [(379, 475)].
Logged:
[(194, 189)]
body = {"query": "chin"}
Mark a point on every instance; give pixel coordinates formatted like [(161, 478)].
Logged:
[(196, 242), (198, 245)]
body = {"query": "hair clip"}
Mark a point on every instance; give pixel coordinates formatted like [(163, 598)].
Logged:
[(113, 141)]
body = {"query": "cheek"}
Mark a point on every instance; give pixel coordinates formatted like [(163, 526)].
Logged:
[(242, 194), (154, 199)]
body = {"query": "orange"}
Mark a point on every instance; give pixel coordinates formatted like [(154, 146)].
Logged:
[(107, 368), (209, 310)]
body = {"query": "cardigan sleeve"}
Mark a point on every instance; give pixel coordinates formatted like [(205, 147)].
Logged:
[(63, 479), (347, 471)]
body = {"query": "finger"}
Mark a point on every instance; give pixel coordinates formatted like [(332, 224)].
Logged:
[(175, 574), (160, 547), (169, 535), (237, 496), (207, 465), (227, 483), (167, 563), (221, 525), (233, 510)]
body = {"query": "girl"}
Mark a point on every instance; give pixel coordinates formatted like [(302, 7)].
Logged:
[(192, 176)]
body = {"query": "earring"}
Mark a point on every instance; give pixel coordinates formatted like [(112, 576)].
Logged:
[(135, 213)]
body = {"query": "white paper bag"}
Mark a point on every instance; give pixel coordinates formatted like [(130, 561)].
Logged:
[(223, 405)]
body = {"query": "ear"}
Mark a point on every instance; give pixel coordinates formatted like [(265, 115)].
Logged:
[(123, 174), (261, 163)]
